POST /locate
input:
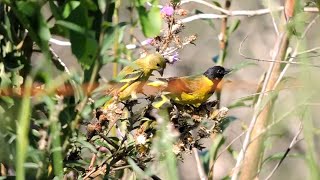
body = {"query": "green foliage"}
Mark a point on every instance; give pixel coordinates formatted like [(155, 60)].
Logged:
[(150, 19)]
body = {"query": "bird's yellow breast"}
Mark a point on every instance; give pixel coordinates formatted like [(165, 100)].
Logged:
[(201, 89)]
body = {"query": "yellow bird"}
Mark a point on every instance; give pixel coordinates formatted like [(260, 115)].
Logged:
[(194, 90), (135, 75)]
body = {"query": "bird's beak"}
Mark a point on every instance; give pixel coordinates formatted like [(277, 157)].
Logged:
[(161, 70), (227, 71)]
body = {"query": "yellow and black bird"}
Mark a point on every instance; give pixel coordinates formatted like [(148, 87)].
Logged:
[(134, 76), (193, 90)]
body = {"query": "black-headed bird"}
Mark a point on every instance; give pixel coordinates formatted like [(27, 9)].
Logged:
[(192, 90)]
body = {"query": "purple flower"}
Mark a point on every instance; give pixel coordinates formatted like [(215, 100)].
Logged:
[(167, 10), (147, 41), (175, 57)]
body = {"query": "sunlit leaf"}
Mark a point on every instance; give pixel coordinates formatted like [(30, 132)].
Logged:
[(150, 20), (69, 7), (102, 5), (72, 26)]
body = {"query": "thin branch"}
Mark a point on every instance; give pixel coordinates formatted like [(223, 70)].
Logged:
[(200, 169), (254, 119), (290, 61), (276, 122), (202, 16), (206, 4), (248, 13), (269, 91), (293, 142), (273, 60), (59, 60), (308, 51), (273, 19), (244, 12), (225, 149)]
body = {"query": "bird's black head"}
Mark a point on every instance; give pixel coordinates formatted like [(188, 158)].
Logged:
[(216, 72)]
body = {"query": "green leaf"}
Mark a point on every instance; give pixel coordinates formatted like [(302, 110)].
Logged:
[(4, 77), (150, 20), (242, 102), (234, 26), (210, 21), (27, 8), (137, 169), (279, 156), (211, 154), (102, 5), (318, 4), (87, 145), (109, 36), (101, 101), (89, 48), (69, 7), (7, 100), (83, 43), (216, 3), (17, 80), (29, 14), (55, 10), (71, 26), (226, 122)]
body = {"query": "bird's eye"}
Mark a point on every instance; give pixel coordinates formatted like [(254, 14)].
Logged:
[(158, 64)]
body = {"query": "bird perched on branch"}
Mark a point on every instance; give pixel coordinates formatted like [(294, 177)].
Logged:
[(134, 76), (192, 90)]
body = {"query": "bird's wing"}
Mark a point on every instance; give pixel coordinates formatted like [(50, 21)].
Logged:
[(131, 76), (177, 85)]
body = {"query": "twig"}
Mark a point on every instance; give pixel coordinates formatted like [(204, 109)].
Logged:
[(248, 13), (278, 121), (246, 142), (207, 4), (293, 142), (272, 60), (58, 59), (273, 19), (201, 173), (225, 149), (294, 54), (202, 16), (308, 51), (244, 12), (270, 91), (122, 167), (172, 50), (93, 160)]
